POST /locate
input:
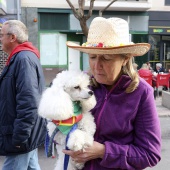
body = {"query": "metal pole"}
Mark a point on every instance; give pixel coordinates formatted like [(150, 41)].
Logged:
[(18, 9), (164, 54), (101, 11)]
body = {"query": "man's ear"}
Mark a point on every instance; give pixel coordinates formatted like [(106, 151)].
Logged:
[(14, 38)]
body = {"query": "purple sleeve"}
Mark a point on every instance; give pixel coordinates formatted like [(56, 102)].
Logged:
[(146, 147)]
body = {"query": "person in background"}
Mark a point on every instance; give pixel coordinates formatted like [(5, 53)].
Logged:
[(22, 131), (144, 71), (135, 66), (127, 125), (159, 68), (149, 66)]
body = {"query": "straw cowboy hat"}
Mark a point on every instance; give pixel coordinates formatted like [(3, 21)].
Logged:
[(110, 36)]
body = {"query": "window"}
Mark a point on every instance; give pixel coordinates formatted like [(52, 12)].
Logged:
[(54, 21), (167, 2), (53, 50)]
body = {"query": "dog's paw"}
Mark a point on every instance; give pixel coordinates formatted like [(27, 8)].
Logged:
[(79, 140), (75, 165), (79, 165)]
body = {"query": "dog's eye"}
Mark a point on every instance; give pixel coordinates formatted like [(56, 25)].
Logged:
[(77, 87)]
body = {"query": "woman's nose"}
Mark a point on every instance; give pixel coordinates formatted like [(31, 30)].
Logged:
[(98, 64)]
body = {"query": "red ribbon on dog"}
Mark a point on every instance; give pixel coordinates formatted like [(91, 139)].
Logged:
[(68, 122)]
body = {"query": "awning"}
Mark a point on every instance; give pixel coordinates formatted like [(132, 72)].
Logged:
[(3, 7), (2, 20)]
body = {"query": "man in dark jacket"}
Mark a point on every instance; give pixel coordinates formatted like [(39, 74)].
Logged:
[(159, 68), (22, 130)]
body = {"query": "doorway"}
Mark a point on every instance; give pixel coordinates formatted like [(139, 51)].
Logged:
[(73, 59), (165, 51)]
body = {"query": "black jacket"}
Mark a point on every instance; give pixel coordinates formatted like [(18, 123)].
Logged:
[(21, 85), (159, 71)]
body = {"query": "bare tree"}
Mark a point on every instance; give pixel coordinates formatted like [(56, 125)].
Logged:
[(101, 11), (79, 14)]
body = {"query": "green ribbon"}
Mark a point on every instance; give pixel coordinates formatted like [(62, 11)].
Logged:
[(65, 129)]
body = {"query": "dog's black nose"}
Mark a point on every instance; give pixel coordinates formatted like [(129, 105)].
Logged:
[(90, 92)]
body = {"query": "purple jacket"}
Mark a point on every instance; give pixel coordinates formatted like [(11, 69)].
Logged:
[(128, 126)]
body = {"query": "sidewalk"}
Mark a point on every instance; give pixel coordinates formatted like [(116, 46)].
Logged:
[(162, 111)]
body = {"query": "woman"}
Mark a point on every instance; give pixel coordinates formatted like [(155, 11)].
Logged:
[(128, 129), (149, 66), (144, 71)]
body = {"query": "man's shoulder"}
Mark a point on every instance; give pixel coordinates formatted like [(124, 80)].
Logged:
[(26, 55)]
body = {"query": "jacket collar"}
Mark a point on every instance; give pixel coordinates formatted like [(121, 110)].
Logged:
[(120, 85)]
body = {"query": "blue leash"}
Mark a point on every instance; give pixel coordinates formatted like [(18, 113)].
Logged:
[(49, 142), (66, 158)]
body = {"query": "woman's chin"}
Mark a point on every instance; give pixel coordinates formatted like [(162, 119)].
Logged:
[(99, 80)]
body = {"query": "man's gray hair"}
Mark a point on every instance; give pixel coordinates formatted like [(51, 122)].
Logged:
[(17, 28), (159, 65)]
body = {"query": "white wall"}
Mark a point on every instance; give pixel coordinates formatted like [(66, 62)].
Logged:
[(122, 5), (158, 5), (46, 3)]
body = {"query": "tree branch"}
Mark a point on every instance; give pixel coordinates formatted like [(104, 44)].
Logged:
[(73, 9), (81, 7), (79, 14), (90, 9)]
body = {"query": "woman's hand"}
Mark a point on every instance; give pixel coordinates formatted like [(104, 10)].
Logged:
[(97, 150)]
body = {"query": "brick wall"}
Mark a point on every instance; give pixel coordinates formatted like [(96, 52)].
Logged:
[(3, 59)]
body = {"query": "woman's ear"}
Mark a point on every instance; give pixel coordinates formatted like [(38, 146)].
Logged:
[(126, 59)]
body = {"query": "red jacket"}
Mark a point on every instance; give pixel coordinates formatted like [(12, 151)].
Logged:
[(144, 72)]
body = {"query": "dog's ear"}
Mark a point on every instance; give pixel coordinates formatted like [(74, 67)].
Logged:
[(55, 104)]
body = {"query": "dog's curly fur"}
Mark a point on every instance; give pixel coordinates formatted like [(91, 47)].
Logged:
[(56, 104)]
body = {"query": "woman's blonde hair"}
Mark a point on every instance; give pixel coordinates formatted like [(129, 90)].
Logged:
[(128, 69), (145, 66)]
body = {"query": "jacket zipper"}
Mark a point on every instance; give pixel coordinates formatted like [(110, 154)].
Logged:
[(100, 114)]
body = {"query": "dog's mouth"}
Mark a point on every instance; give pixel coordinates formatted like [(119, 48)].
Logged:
[(85, 98), (81, 98)]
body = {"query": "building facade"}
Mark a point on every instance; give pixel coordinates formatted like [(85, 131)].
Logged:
[(159, 33), (52, 23)]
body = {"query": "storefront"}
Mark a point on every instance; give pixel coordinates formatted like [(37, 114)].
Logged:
[(56, 26), (159, 38)]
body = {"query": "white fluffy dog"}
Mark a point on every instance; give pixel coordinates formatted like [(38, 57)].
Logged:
[(69, 88)]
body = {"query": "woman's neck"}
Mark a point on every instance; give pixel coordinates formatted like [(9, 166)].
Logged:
[(109, 87)]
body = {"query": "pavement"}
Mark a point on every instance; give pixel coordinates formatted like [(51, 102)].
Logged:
[(162, 111), (49, 163)]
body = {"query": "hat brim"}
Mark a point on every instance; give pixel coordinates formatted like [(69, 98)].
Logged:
[(138, 49)]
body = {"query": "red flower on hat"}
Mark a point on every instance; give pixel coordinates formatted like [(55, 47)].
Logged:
[(100, 45)]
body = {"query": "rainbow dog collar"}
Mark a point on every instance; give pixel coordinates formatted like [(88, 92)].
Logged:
[(65, 125)]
